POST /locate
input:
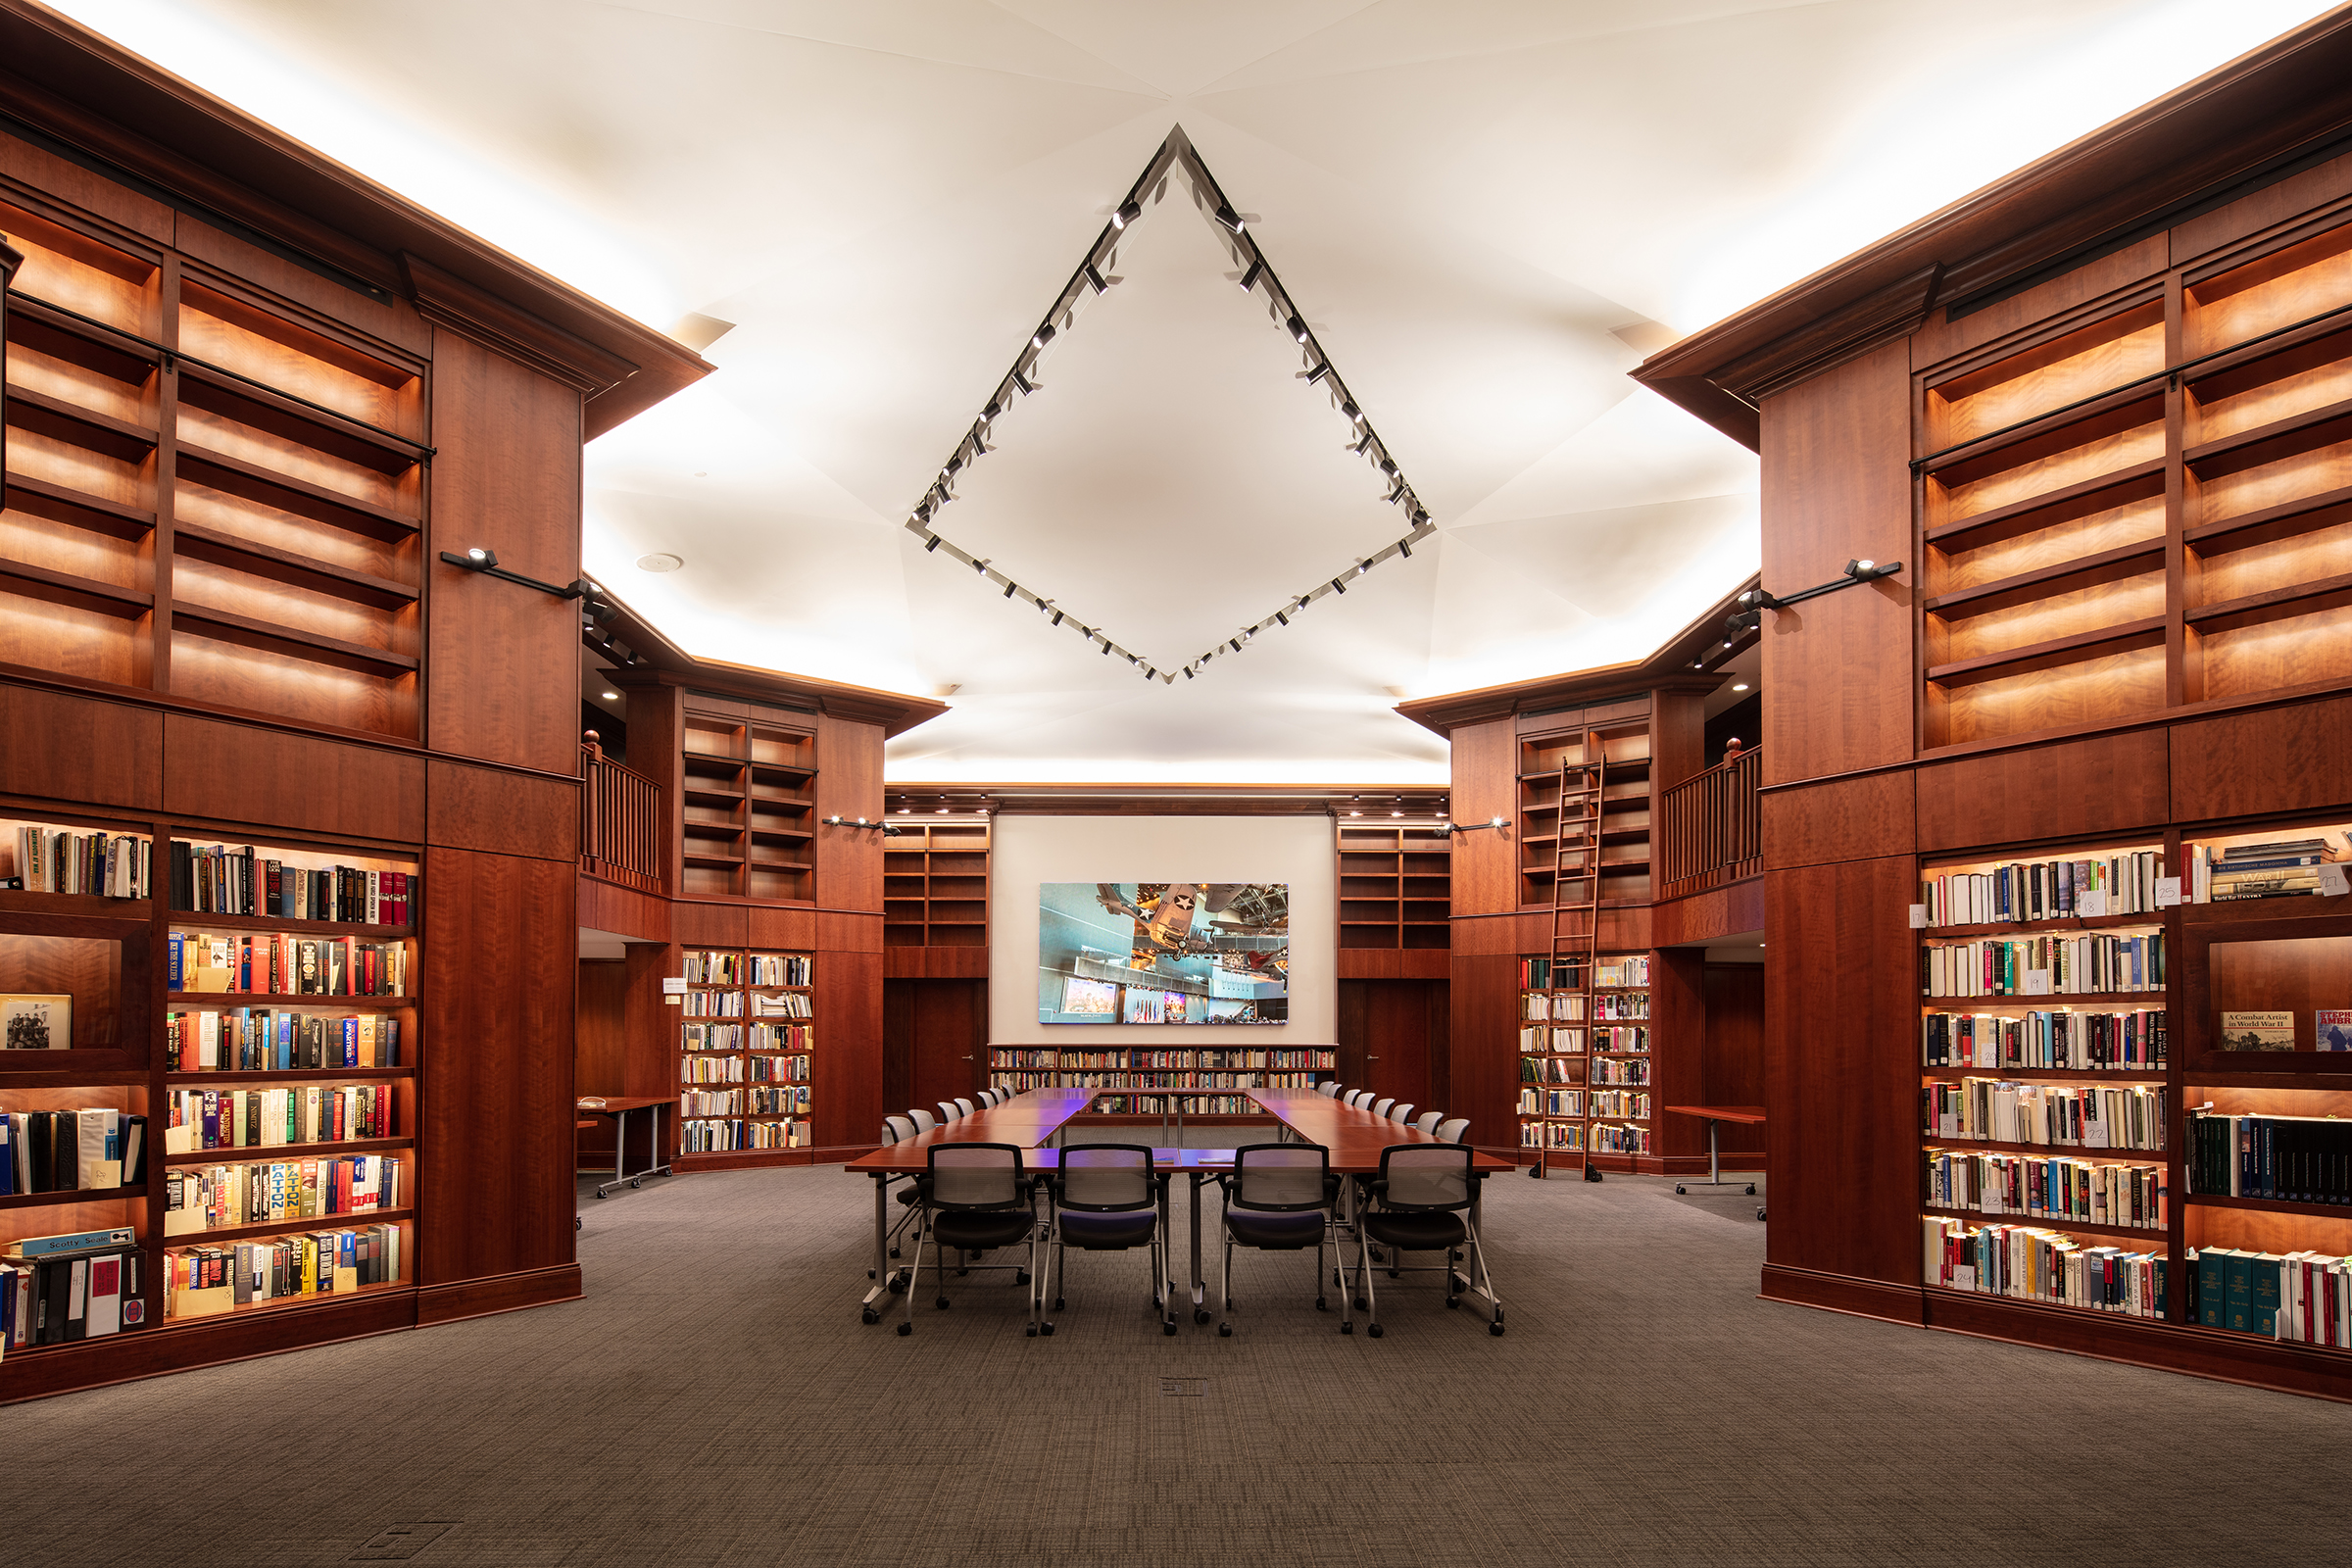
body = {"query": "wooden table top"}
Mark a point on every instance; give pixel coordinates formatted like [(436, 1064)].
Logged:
[(1354, 1138), (1741, 1113), (613, 1105)]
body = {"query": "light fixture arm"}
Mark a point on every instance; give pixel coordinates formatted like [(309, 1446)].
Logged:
[(484, 562), (1495, 823), (883, 828), (1756, 601)]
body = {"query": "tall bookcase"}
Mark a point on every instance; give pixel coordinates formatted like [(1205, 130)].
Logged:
[(275, 1061), (935, 885), (747, 1035), (1585, 807), (1555, 1002), (746, 803), (207, 495)]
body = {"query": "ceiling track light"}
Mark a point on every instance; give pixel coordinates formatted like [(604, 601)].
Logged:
[(1348, 407), (1011, 588), (1129, 210), (1405, 546), (932, 543), (1297, 328), (1317, 373), (1228, 218), (1094, 277), (1042, 336), (1258, 270), (1022, 382)]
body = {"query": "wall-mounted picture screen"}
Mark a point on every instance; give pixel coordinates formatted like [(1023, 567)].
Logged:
[(1163, 953)]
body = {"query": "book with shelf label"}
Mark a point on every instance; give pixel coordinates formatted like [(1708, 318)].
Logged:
[(2240, 870), (766, 1067), (201, 1119), (2038, 1263)]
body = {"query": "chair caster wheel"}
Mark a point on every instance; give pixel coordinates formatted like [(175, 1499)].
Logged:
[(1322, 1305), (1453, 1303), (1494, 1329), (1060, 1304), (635, 1186), (905, 1328), (575, 1222), (1033, 1330), (1224, 1331), (1200, 1314), (1347, 1328), (1759, 1211), (600, 1196), (869, 1315), (1751, 1188), (1363, 1305), (941, 1304), (1373, 1329), (1168, 1329), (1020, 1277), (1535, 1172), (898, 1287), (1392, 1274), (1048, 1330), (1679, 1188), (895, 1252)]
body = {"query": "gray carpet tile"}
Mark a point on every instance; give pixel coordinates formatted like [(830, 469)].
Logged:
[(714, 1401)]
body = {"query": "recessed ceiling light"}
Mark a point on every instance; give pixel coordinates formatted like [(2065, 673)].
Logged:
[(1740, 686), (1396, 813), (612, 697), (1355, 814), (659, 563)]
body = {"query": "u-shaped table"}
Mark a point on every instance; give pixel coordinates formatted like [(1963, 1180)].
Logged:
[(1034, 1121)]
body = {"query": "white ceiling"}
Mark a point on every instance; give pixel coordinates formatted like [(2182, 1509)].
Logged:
[(1487, 209)]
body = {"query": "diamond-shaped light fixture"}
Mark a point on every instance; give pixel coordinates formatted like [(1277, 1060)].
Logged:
[(1177, 158)]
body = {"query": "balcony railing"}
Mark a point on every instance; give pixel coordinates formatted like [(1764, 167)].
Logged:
[(1711, 833), (619, 811)]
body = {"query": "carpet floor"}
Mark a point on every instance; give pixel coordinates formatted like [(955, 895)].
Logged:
[(714, 1401)]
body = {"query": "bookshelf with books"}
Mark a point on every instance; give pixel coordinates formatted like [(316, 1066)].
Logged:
[(1555, 1034), (747, 1038), (1215, 1072), (2108, 449)]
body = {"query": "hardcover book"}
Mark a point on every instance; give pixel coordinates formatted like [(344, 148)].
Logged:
[(2332, 1027), (2257, 1031)]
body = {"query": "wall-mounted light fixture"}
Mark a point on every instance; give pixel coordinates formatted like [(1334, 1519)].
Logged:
[(1752, 604), (883, 828), (1495, 823)]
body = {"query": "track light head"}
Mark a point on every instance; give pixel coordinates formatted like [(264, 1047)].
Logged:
[(1258, 270), (1338, 586), (1094, 277), (1011, 588), (1405, 546), (1228, 218), (931, 544), (1354, 412), (480, 560), (1127, 213), (1297, 328), (1042, 336), (1282, 615), (1022, 382), (1872, 570), (1317, 373)]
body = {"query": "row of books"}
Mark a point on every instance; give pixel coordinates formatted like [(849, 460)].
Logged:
[(2083, 1116), (780, 1005), (2284, 1160), (2046, 889), (198, 1197), (780, 1099), (201, 1280), (1622, 1005), (1609, 1071), (777, 1135), (268, 1118), (2059, 1040), (277, 1039), (701, 968), (1022, 1082), (1552, 1103), (705, 1070), (1186, 1080), (779, 1070), (1544, 974), (1550, 1070), (1610, 974), (711, 1103), (286, 965), (1557, 1038), (91, 1150), (711, 1004), (1558, 1135), (1604, 1137), (111, 865), (1622, 1039), (2041, 966), (783, 1037), (1030, 1061), (2031, 1264), (2277, 868), (57, 1289), (1543, 1004), (2088, 1191), (1186, 1105), (710, 1037), (2300, 1298), (215, 879), (1619, 1105), (778, 969)]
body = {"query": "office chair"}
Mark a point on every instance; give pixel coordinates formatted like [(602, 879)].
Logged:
[(1451, 1132), (965, 1105), (923, 1120), (1328, 1088), (1402, 1113), (1108, 1198), (1278, 1198), (897, 1130), (1382, 1109), (1428, 1122), (948, 1111), (976, 1198), (1355, 1100), (1424, 1201)]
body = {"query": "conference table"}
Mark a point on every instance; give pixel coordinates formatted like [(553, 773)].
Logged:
[(1034, 1119)]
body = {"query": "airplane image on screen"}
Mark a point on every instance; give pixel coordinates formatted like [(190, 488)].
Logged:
[(1171, 920)]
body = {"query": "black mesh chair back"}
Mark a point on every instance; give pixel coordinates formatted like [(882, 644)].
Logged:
[(1106, 1199), (976, 1176), (1425, 1177), (1106, 1178), (1425, 1200), (1279, 1176)]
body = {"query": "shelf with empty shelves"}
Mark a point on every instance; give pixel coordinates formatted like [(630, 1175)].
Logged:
[(77, 425), (251, 482), (295, 570)]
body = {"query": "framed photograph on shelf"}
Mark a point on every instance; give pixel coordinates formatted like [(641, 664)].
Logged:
[(36, 1021)]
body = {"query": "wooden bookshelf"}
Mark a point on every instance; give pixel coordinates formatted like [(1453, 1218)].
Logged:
[(1584, 805), (747, 804), (1555, 1004), (746, 1034), (935, 883), (1216, 1071), (1395, 886)]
